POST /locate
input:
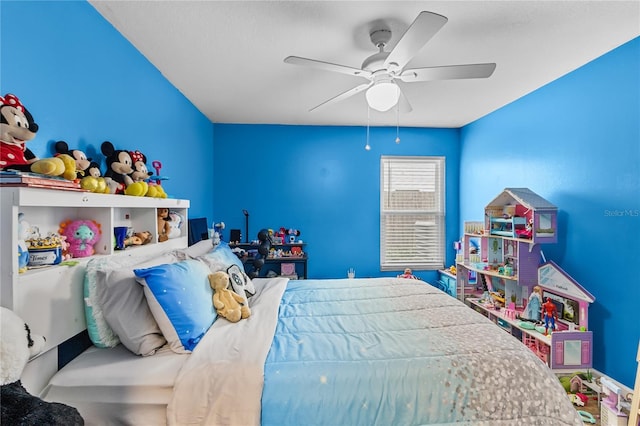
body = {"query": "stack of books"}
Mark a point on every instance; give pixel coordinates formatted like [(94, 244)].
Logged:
[(16, 178)]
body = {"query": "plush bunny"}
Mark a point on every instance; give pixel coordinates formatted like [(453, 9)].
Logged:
[(19, 407)]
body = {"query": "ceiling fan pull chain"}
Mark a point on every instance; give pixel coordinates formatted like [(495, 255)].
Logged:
[(398, 123), (367, 146)]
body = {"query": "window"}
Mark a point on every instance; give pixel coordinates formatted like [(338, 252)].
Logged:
[(411, 213)]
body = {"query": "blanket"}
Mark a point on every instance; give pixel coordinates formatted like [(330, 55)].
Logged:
[(376, 351), (221, 383)]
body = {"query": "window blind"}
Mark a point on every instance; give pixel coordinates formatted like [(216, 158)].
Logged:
[(411, 213)]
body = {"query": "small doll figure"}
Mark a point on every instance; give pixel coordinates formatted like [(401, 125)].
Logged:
[(550, 313), (164, 227), (534, 305), (408, 273)]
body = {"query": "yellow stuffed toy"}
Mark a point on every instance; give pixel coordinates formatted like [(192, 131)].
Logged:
[(228, 304)]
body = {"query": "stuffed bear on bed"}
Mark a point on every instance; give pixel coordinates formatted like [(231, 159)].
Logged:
[(17, 345)]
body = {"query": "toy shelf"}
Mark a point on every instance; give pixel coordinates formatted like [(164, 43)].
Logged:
[(561, 349)]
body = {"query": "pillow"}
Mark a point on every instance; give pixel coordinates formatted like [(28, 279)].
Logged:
[(181, 300), (99, 331), (118, 298), (193, 251), (221, 258)]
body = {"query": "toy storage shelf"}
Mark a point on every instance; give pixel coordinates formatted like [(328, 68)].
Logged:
[(550, 348), (37, 294), (275, 263)]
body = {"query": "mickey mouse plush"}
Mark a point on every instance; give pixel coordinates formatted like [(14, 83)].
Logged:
[(19, 407), (16, 128), (119, 165), (82, 162)]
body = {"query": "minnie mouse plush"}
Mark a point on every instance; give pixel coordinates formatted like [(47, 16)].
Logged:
[(16, 128)]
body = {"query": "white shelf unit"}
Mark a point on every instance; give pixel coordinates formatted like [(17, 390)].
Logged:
[(45, 296)]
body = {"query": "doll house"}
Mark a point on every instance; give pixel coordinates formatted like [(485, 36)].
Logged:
[(571, 346), (521, 213)]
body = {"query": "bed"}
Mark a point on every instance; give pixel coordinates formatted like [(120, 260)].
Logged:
[(372, 351)]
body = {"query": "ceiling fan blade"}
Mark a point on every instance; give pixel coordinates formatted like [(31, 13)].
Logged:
[(344, 95), (327, 66), (425, 26), (447, 72)]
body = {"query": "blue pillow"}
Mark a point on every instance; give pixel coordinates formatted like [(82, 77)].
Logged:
[(220, 258), (181, 300)]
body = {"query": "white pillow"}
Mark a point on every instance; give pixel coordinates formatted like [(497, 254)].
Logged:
[(121, 302)]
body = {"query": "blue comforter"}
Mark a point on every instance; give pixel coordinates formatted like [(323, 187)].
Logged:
[(389, 351)]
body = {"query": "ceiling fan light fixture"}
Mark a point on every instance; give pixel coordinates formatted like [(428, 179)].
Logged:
[(383, 96)]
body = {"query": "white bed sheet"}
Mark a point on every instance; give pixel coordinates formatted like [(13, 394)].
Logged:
[(113, 386)]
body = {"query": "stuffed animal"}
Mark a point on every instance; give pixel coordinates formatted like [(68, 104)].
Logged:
[(140, 171), (163, 224), (80, 158), (138, 239), (228, 304), (93, 180), (119, 165), (175, 224), (81, 235), (16, 128), (19, 407)]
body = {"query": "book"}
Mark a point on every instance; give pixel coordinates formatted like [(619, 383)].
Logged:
[(10, 177), (46, 186)]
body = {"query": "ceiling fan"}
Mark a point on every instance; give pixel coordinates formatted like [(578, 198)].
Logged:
[(382, 69)]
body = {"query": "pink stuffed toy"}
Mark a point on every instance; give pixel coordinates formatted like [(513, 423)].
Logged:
[(81, 235)]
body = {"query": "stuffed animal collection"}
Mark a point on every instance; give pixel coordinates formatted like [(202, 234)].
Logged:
[(126, 172), (19, 407), (228, 304)]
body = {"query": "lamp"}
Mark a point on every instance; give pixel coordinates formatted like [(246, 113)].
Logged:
[(383, 95), (246, 226)]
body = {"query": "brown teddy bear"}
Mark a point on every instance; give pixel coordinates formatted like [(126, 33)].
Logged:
[(228, 304)]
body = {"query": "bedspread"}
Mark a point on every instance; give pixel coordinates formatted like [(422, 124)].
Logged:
[(400, 352), (380, 351)]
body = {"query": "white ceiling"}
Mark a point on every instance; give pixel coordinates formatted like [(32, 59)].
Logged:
[(227, 56)]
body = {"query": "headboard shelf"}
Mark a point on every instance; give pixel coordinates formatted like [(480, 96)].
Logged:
[(50, 298)]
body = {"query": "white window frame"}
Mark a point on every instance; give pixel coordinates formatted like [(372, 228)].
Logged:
[(419, 242)]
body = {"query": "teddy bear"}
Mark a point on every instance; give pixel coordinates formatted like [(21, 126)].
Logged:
[(17, 126), (19, 407), (228, 304)]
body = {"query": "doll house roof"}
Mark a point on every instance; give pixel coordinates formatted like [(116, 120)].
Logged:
[(552, 277), (523, 196)]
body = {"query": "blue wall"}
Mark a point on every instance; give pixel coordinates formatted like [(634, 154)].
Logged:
[(85, 83), (576, 142), (323, 182)]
